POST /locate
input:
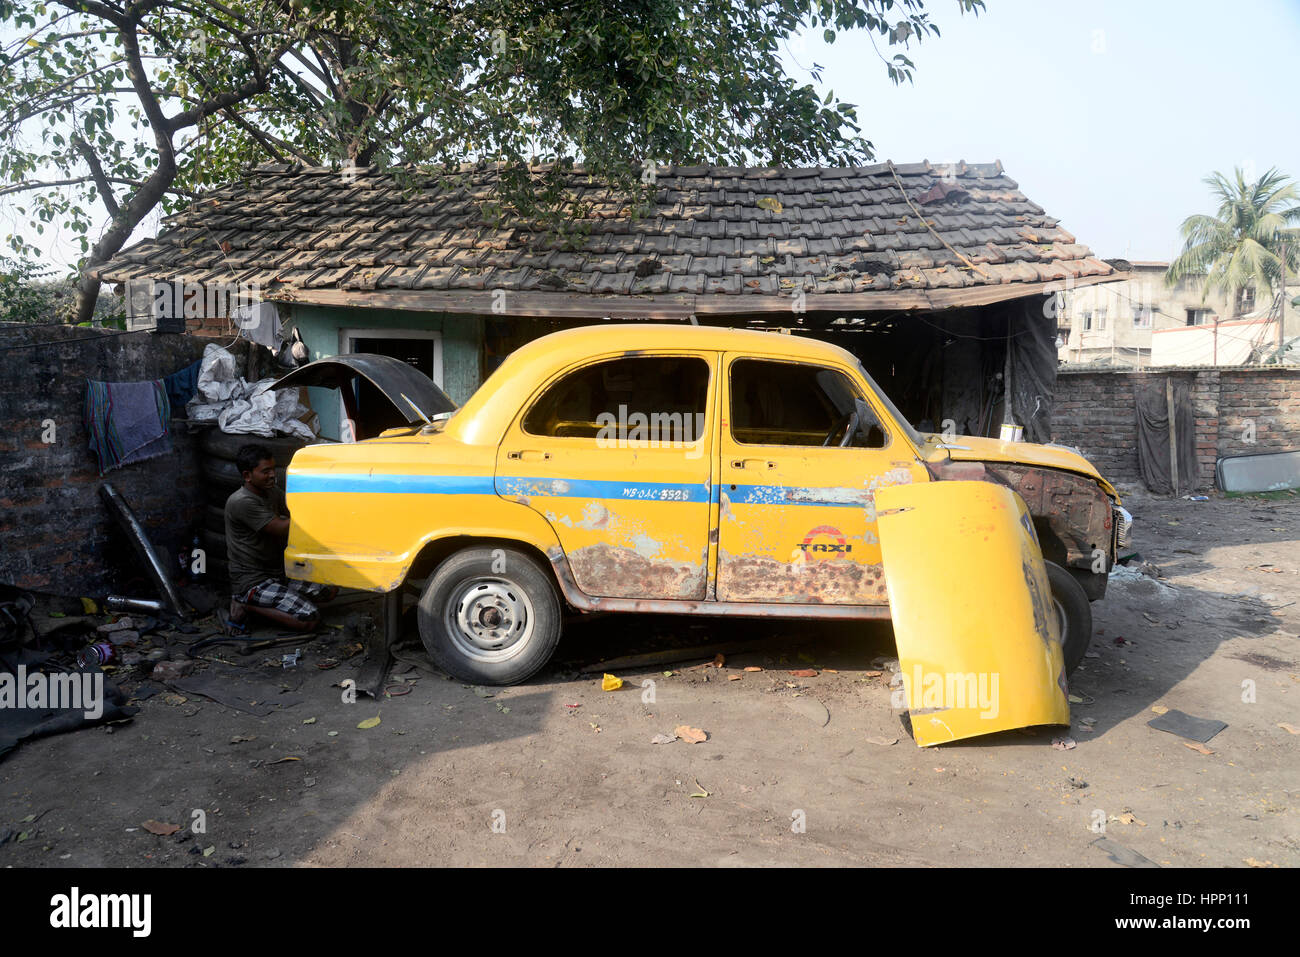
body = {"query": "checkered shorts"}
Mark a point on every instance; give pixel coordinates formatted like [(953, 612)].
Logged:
[(292, 598)]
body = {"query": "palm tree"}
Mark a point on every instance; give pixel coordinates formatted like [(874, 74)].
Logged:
[(1242, 244)]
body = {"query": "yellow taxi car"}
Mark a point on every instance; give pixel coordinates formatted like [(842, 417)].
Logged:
[(704, 471)]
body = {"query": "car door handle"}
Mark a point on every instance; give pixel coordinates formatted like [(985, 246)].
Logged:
[(752, 464), (529, 455)]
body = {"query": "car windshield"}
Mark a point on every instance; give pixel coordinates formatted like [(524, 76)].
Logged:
[(906, 426)]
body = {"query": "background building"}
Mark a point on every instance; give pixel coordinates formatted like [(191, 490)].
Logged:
[(1142, 322)]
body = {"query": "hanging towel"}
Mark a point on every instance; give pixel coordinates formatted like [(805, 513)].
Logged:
[(182, 385), (127, 421)]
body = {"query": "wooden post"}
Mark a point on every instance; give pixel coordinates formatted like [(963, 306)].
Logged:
[(1173, 434)]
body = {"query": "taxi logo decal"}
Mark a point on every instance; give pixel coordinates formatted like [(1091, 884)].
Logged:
[(838, 544)]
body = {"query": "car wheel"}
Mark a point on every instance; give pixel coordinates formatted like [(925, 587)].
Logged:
[(490, 615), (1073, 613)]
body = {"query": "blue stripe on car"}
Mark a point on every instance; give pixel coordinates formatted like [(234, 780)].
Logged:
[(545, 487)]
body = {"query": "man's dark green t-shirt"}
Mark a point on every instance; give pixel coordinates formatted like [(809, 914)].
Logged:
[(254, 556)]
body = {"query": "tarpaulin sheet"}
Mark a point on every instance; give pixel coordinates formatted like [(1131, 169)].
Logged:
[(242, 407), (1153, 436), (1033, 368)]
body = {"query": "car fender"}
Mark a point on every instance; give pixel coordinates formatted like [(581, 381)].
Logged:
[(978, 642)]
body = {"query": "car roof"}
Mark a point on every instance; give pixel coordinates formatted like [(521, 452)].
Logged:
[(657, 335)]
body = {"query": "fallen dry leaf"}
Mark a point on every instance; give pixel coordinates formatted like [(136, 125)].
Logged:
[(804, 673), (158, 827), (1288, 728), (884, 742), (1128, 817), (663, 738), (1063, 744), (734, 677), (1197, 747), (1159, 709), (753, 668), (1254, 862), (690, 735), (719, 660), (369, 723)]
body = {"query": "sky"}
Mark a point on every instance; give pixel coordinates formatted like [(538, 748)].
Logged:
[(1108, 114)]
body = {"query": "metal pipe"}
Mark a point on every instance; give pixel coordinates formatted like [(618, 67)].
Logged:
[(143, 547), (119, 603)]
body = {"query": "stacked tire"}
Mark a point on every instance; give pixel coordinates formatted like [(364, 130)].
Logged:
[(221, 477)]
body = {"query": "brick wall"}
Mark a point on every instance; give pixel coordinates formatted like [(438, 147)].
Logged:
[(1238, 410), (56, 534)]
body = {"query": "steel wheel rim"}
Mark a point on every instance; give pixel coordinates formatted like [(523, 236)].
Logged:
[(489, 619)]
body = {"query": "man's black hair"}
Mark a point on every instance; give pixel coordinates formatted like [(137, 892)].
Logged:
[(248, 456)]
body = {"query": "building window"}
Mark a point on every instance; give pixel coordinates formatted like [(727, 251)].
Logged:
[(1087, 320), (1246, 299), (1142, 316), (1101, 320), (1198, 317)]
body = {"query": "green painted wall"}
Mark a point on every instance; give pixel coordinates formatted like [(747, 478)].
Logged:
[(462, 347)]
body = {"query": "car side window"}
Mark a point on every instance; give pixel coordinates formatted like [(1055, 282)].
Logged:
[(786, 403), (663, 395)]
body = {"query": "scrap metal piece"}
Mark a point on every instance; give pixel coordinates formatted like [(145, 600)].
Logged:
[(1258, 472), (143, 548), (379, 647), (1187, 726)]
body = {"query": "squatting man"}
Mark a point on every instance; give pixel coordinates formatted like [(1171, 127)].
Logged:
[(257, 530)]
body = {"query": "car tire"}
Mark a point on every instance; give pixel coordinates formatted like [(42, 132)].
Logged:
[(1074, 613), (490, 616)]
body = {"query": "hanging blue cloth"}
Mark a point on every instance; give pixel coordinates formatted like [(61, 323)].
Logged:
[(127, 421), (182, 385)]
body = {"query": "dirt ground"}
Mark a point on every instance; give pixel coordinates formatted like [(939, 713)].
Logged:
[(795, 770)]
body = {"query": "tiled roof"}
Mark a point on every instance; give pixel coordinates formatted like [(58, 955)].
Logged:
[(747, 233)]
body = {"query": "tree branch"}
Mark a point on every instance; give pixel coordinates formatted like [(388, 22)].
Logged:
[(97, 171)]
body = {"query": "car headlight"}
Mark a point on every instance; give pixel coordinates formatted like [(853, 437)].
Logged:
[(1123, 525)]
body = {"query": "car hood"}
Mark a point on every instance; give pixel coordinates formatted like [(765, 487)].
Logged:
[(974, 448), (397, 380)]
